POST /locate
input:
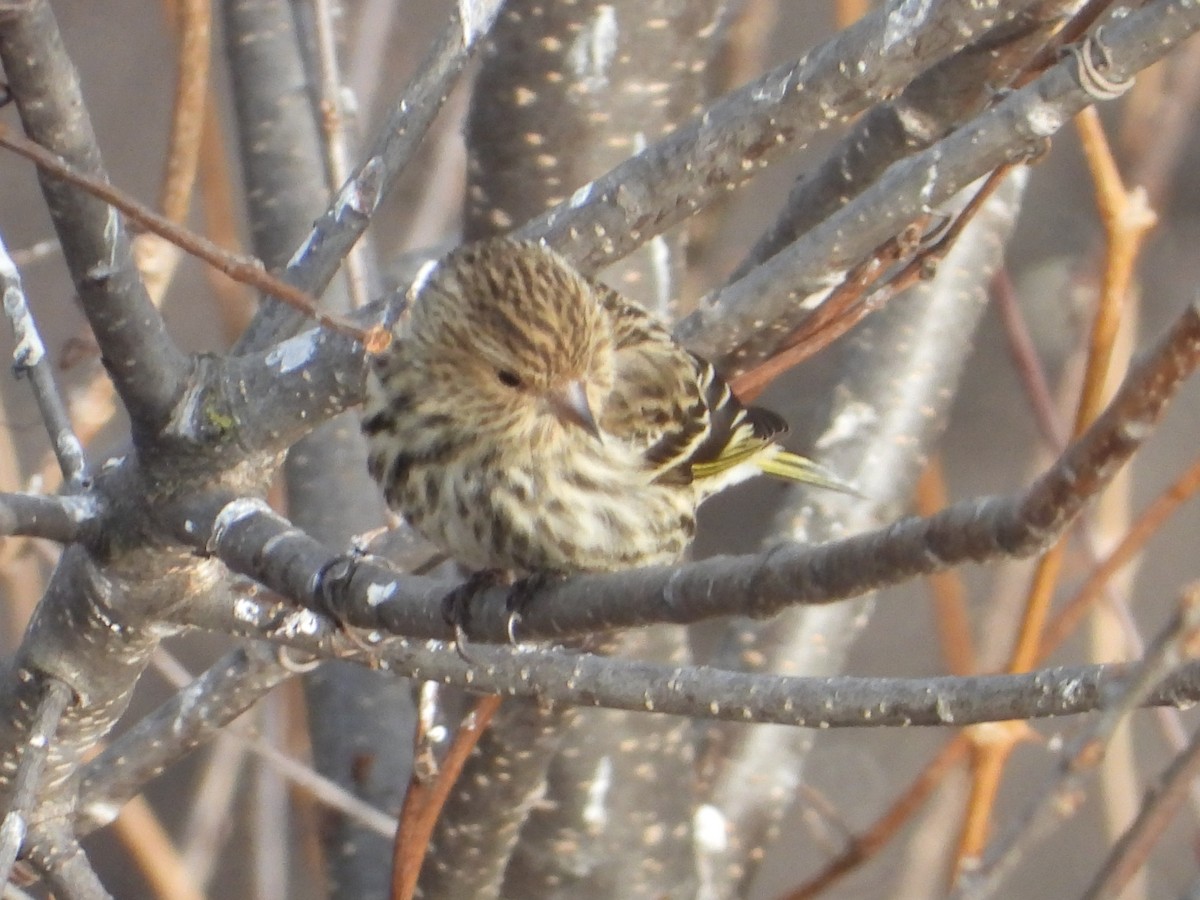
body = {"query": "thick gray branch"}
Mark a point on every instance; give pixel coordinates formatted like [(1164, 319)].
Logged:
[(769, 118), (704, 692), (313, 265), (1016, 127), (62, 519), (368, 594), (190, 718)]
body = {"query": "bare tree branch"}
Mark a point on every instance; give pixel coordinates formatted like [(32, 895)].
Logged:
[(147, 369), (152, 538), (550, 801), (888, 408), (766, 305), (774, 115), (189, 719), (352, 713), (1159, 807), (313, 265), (937, 101), (1016, 126), (704, 692), (29, 358), (23, 801), (61, 519), (1059, 799), (56, 854), (367, 594)]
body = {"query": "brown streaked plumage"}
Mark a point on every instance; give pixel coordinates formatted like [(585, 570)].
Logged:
[(528, 418)]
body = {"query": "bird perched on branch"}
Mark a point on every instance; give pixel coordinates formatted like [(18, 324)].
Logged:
[(528, 418)]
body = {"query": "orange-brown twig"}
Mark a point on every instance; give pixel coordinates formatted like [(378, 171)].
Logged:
[(187, 114), (424, 802), (949, 595), (1145, 527), (840, 311), (991, 744), (846, 305), (147, 840), (1127, 219), (865, 845)]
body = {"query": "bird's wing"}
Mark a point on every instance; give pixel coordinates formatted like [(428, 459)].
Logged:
[(673, 406)]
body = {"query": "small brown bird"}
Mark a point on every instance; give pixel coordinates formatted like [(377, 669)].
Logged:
[(528, 418)]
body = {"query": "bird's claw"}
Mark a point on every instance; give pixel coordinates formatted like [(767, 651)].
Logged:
[(330, 586), (331, 583), (456, 605), (520, 595)]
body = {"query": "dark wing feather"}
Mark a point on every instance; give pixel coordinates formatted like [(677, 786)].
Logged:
[(673, 404), (766, 424)]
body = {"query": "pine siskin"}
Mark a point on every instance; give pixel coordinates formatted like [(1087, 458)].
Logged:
[(530, 419)]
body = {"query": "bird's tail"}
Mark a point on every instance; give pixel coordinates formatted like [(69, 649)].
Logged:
[(797, 468)]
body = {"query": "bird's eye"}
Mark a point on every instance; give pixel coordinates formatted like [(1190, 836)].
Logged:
[(509, 378)]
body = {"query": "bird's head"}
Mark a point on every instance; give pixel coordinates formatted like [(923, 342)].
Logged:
[(524, 331)]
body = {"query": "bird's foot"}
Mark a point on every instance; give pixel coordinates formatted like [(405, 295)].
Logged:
[(332, 582), (521, 593), (330, 587), (456, 605)]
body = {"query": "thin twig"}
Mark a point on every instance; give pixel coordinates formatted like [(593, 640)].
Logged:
[(1159, 808), (863, 846), (26, 780), (208, 704), (270, 816), (325, 790), (29, 358), (991, 746), (332, 116), (221, 222), (143, 834), (1054, 433), (949, 593), (187, 112), (1020, 122), (147, 368), (844, 308), (156, 256), (1061, 797), (205, 833), (1145, 527), (1027, 363), (849, 303), (425, 802), (334, 233), (35, 253), (1127, 220), (228, 688), (245, 269)]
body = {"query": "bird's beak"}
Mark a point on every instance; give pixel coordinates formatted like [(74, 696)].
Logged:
[(570, 404)]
